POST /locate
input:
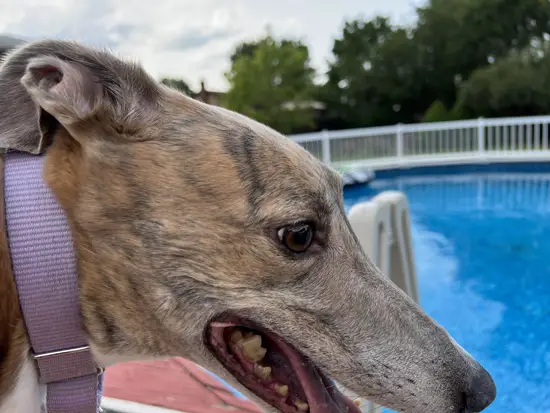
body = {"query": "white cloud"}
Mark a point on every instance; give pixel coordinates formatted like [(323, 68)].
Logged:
[(188, 38)]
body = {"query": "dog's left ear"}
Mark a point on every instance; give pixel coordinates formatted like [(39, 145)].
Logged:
[(50, 83), (67, 90), (19, 115)]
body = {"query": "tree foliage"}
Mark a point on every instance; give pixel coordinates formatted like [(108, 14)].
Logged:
[(437, 112), (350, 91), (461, 58), (272, 82), (381, 74), (177, 84), (517, 85), (245, 49), (456, 37)]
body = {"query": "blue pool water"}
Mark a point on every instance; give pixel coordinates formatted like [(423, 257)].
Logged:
[(482, 250)]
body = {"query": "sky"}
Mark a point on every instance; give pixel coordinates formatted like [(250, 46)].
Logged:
[(192, 39)]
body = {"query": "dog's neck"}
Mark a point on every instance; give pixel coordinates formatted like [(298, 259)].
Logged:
[(43, 265)]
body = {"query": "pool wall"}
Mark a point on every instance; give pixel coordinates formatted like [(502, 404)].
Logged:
[(500, 167)]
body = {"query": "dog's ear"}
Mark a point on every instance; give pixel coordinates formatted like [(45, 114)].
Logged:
[(19, 115), (50, 83), (67, 90)]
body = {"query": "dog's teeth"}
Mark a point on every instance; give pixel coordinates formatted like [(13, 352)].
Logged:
[(252, 348), (256, 356), (357, 402), (248, 334), (282, 389), (236, 336), (261, 371), (253, 342), (302, 406)]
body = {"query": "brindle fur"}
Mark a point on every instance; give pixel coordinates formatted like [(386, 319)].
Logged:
[(174, 207)]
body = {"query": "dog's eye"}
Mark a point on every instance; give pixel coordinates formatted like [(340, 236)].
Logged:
[(297, 238)]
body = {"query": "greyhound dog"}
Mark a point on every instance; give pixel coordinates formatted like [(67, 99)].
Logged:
[(203, 234)]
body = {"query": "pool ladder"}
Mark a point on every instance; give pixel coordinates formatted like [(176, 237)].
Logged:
[(383, 228)]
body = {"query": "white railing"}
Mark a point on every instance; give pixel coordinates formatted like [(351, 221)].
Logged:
[(469, 141)]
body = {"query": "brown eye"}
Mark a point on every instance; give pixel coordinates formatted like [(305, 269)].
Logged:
[(297, 238)]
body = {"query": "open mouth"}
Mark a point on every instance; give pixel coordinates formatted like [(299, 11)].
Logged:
[(274, 370)]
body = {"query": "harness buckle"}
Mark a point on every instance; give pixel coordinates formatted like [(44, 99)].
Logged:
[(59, 365)]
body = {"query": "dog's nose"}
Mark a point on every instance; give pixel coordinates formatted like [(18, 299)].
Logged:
[(482, 391)]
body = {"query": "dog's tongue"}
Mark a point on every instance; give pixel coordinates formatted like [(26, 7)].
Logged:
[(319, 399)]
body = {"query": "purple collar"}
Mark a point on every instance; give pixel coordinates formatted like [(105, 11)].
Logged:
[(44, 267)]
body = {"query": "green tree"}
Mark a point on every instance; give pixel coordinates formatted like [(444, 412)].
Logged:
[(177, 84), (397, 79), (349, 91), (437, 112), (272, 82), (457, 37), (517, 85), (246, 49), (382, 74), (373, 77)]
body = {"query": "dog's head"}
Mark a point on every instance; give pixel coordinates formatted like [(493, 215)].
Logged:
[(201, 233)]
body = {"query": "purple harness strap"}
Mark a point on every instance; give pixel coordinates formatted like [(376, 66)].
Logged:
[(44, 267)]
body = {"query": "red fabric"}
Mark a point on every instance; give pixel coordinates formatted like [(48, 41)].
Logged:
[(176, 384)]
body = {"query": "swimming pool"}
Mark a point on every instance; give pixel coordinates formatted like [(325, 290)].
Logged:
[(482, 251)]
